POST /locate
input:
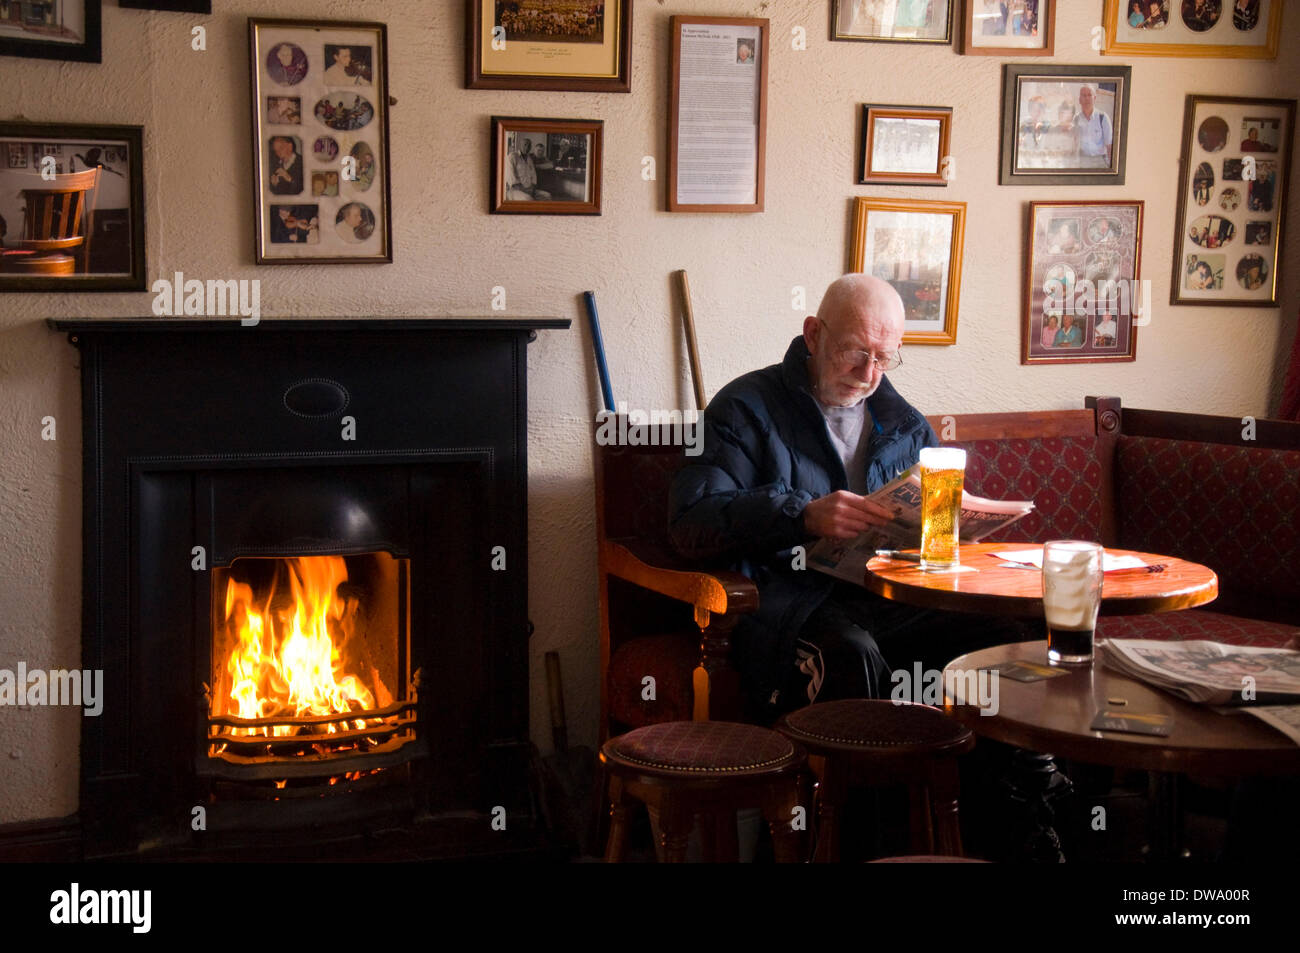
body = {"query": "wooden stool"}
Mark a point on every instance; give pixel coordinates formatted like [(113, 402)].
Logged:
[(869, 742), (709, 768)]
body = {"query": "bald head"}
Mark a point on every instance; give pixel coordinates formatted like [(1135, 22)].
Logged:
[(859, 313)]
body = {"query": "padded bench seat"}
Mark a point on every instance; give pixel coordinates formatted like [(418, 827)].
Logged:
[(1199, 624)]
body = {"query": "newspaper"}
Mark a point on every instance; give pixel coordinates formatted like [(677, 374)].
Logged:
[(1285, 718), (847, 558), (1210, 672)]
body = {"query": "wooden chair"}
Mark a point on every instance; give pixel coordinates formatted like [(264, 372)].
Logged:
[(58, 216), (658, 617)]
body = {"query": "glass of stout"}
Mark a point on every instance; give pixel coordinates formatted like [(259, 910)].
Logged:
[(1072, 578)]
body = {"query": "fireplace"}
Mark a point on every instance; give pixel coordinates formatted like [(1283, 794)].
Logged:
[(305, 581)]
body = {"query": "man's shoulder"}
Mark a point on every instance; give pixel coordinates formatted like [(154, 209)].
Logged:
[(757, 393)]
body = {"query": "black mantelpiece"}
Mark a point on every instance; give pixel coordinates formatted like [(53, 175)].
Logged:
[(188, 421)]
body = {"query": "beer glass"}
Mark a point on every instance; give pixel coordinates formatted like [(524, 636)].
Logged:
[(943, 470), (1072, 579)]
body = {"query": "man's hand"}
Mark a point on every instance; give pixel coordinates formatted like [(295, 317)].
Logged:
[(843, 515)]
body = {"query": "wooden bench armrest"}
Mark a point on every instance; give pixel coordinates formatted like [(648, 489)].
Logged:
[(717, 591)]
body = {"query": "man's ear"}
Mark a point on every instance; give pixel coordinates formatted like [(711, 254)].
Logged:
[(812, 328)]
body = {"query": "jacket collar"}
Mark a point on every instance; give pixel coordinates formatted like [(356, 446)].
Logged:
[(888, 408)]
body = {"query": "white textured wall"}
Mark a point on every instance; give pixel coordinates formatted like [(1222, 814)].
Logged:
[(449, 253)]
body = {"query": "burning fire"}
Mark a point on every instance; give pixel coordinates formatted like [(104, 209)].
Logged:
[(288, 658)]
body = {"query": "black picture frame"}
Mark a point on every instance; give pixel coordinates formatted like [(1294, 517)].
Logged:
[(87, 51), (174, 6), (123, 144), (1016, 169)]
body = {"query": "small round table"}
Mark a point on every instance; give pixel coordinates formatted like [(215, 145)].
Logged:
[(998, 590), (1054, 715)]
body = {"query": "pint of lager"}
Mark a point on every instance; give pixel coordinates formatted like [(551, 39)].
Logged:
[(943, 470), (1072, 581)]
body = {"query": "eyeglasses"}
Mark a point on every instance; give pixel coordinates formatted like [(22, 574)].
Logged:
[(851, 357)]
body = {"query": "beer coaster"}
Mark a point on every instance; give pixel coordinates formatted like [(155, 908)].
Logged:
[(1131, 723), (1025, 671)]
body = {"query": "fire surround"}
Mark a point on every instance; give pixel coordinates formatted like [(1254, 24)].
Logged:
[(205, 442)]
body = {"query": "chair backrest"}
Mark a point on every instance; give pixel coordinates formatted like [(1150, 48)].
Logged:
[(55, 208), (632, 484)]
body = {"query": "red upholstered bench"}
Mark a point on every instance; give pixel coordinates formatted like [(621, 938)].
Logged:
[(1183, 484)]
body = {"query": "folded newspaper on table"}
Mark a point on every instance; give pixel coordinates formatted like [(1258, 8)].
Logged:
[(1211, 672), (847, 558)]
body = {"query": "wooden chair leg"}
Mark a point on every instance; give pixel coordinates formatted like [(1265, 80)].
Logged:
[(618, 803), (944, 788)]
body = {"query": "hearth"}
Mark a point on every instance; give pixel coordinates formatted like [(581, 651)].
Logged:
[(289, 534)]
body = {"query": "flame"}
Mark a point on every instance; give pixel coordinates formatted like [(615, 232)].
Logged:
[(287, 660)]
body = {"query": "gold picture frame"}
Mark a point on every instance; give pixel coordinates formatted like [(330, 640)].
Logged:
[(916, 246), (1177, 29)]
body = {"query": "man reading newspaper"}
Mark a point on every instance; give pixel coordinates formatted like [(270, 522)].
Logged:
[(790, 453)]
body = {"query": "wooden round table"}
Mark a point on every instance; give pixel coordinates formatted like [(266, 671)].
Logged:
[(996, 590), (1054, 715)]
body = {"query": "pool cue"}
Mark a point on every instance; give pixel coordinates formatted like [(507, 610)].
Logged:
[(692, 348), (589, 297)]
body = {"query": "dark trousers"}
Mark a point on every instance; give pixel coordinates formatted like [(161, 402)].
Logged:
[(855, 640)]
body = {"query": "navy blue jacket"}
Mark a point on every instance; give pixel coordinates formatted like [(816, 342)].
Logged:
[(766, 455)]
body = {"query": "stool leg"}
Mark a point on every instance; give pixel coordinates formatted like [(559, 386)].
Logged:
[(922, 821), (831, 795), (674, 829), (944, 787), (707, 825), (726, 840), (618, 802), (779, 801)]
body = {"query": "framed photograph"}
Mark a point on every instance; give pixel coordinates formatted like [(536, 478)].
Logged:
[(51, 29), (904, 145), (1083, 282), (546, 166), (176, 6), (1222, 28), (558, 45), (892, 21), (320, 106), (71, 207), (1234, 173), (1064, 125), (1008, 27), (916, 246), (717, 114)]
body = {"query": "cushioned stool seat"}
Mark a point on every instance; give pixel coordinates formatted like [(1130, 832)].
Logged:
[(867, 742), (709, 768)]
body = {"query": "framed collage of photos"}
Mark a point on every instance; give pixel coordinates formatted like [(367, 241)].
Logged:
[(51, 29), (1082, 282), (1232, 196), (546, 166), (1220, 28), (1064, 125), (1008, 27), (96, 173), (320, 141), (904, 145), (558, 45), (892, 21), (917, 247)]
